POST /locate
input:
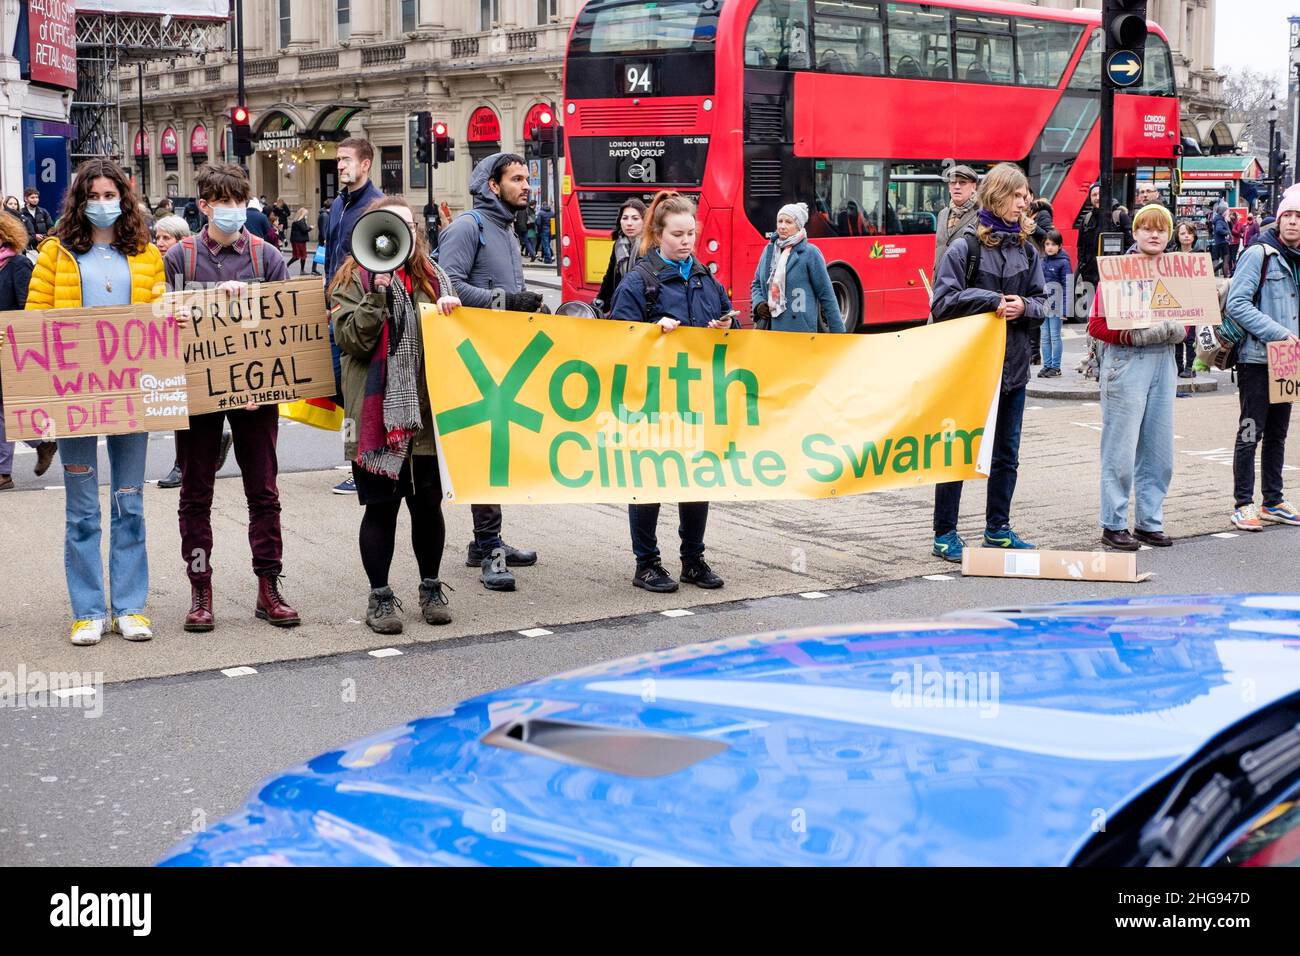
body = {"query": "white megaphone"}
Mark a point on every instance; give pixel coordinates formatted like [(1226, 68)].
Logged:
[(381, 241)]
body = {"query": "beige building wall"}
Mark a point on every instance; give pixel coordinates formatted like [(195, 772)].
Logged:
[(319, 76)]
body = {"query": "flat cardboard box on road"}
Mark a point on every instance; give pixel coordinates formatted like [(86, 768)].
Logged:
[(1052, 565)]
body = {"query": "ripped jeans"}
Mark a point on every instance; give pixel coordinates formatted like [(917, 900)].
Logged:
[(128, 563)]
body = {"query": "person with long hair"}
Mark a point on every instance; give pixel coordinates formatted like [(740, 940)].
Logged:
[(685, 294), (15, 277), (1007, 279), (625, 252), (1186, 240), (99, 254), (389, 435), (299, 233)]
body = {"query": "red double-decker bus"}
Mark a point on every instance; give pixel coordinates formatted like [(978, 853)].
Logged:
[(852, 106)]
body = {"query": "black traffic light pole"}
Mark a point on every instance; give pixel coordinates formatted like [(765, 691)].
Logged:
[(239, 61), (1124, 28)]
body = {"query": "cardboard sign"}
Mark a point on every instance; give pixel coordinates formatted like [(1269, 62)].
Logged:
[(1053, 565), (101, 371), (270, 345), (1139, 291), (1283, 371)]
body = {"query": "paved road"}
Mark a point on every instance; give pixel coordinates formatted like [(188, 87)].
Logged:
[(166, 754)]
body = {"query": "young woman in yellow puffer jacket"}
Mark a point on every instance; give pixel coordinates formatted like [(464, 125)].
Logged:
[(100, 255)]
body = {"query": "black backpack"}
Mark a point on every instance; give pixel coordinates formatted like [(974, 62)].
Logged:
[(650, 281)]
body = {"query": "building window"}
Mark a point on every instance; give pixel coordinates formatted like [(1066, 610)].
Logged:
[(344, 19), (489, 12), (285, 35), (545, 10), (410, 14)]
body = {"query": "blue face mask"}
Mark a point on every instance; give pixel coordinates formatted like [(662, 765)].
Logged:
[(103, 214), (229, 219)]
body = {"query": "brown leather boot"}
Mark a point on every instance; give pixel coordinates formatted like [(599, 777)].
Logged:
[(271, 605), (200, 617)]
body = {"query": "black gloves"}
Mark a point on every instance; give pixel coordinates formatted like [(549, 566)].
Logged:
[(523, 301), (762, 316)]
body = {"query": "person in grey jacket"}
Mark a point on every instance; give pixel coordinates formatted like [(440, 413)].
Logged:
[(480, 252), (959, 215), (1007, 280), (1276, 318), (791, 286)]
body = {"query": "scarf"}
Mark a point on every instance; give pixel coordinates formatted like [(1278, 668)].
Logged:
[(998, 224), (776, 278), (683, 267), (390, 407), (957, 212)]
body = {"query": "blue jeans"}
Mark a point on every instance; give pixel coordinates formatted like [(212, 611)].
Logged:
[(1002, 472), (1052, 344), (544, 237), (128, 562), (1137, 434)]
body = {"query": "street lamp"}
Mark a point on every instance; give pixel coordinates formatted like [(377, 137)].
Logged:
[(1272, 153)]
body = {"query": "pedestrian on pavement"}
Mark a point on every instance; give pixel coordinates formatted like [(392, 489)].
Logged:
[(299, 233), (1262, 300), (544, 219), (1089, 229), (1007, 278), (480, 252), (226, 255), (792, 290), (1251, 233), (956, 217), (322, 232), (194, 217), (13, 207), (670, 287), (1122, 223), (256, 222), (1221, 231), (354, 159), (15, 276), (1056, 281), (1187, 241), (390, 437), (1137, 408), (35, 217), (1238, 227), (1041, 211), (99, 254), (624, 254), (283, 211), (274, 230)]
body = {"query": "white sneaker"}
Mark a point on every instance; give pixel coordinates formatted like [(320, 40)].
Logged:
[(133, 627), (87, 632)]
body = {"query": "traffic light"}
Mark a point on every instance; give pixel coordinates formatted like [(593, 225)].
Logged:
[(444, 147), (545, 139), (1125, 25), (241, 133), (423, 138)]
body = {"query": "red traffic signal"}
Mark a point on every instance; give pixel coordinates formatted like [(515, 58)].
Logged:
[(439, 129), (240, 115), (241, 135), (545, 118)]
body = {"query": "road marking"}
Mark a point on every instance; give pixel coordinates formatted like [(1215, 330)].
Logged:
[(64, 693), (677, 612), (536, 632), (385, 652), (1095, 426), (342, 467), (1225, 534), (54, 488), (238, 671), (1145, 547), (1034, 408), (812, 595), (938, 577), (1090, 404)]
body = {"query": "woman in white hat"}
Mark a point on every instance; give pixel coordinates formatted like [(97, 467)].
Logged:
[(792, 290)]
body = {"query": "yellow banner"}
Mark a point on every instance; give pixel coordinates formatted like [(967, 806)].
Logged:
[(549, 408)]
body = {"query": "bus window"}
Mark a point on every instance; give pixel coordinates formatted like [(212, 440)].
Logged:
[(1043, 50), (850, 37), (777, 35), (1087, 75), (645, 26), (983, 48), (1157, 74), (850, 193), (917, 193), (918, 42)]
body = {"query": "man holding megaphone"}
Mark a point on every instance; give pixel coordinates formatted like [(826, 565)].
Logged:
[(481, 254), (388, 422)]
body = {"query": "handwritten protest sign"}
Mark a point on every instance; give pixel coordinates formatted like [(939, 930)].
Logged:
[(102, 371), (269, 345), (1284, 371), (1139, 291)]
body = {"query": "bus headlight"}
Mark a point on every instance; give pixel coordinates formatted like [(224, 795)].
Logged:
[(713, 268), (713, 245), (570, 109), (708, 105), (567, 262), (565, 241)]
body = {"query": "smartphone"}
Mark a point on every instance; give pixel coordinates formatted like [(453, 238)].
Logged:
[(730, 316)]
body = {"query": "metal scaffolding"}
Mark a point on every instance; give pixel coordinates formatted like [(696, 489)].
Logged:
[(108, 41)]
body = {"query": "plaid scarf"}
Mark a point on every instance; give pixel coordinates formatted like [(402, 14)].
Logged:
[(390, 408)]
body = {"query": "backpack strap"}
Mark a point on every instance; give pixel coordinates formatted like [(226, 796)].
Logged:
[(189, 260), (650, 279), (256, 253), (1263, 273), (973, 252)]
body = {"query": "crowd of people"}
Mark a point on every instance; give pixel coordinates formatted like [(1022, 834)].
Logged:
[(998, 252)]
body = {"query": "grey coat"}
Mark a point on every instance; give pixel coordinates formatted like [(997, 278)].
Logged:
[(482, 259), (943, 237)]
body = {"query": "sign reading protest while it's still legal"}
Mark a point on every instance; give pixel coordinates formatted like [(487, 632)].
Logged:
[(1284, 371), (268, 345), (1139, 291), (103, 371), (550, 408)]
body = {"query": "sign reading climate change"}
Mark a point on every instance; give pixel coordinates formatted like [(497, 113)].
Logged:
[(1138, 291), (557, 409)]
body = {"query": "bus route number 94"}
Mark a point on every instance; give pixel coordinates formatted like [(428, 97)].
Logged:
[(638, 78)]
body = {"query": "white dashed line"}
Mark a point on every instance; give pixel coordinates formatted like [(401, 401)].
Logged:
[(1225, 534), (536, 632), (938, 577), (342, 467), (238, 671), (1034, 408), (385, 652), (53, 487), (1145, 547), (677, 612), (812, 595), (1090, 404), (64, 693)]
